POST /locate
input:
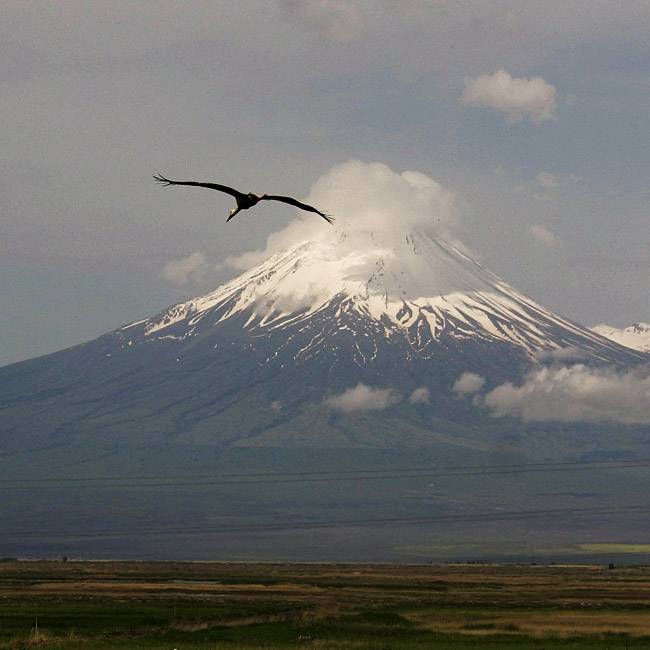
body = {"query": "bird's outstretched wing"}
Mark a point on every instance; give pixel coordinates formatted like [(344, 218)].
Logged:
[(212, 186), (298, 204)]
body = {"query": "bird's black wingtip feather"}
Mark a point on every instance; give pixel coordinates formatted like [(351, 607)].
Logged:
[(161, 179)]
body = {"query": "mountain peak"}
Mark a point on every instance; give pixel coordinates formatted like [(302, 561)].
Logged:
[(636, 337), (416, 269), (423, 288)]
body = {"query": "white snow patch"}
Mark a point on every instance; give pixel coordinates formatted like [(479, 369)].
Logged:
[(635, 336)]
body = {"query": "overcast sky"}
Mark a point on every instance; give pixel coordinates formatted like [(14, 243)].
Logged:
[(535, 115)]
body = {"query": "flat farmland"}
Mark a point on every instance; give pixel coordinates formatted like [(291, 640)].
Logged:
[(93, 605)]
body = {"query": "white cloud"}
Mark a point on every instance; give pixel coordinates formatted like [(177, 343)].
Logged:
[(543, 235), (547, 180), (364, 398), (276, 406), (371, 196), (576, 394), (561, 354), (180, 271), (545, 185), (468, 383), (338, 20), (370, 203), (419, 396), (517, 98)]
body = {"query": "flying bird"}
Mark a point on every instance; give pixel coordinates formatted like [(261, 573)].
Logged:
[(245, 201)]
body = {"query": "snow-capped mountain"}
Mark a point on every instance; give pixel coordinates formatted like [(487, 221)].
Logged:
[(247, 378), (636, 337), (420, 293), (281, 339)]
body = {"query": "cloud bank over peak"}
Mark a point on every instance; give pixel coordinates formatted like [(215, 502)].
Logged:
[(516, 98), (371, 204)]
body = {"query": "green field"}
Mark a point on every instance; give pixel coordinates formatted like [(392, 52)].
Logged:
[(92, 605)]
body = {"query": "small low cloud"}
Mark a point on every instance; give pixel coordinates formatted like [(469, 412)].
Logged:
[(364, 398), (546, 186), (576, 394), (516, 98), (182, 271), (419, 396), (276, 406), (468, 384), (543, 235), (337, 20), (547, 180), (568, 354)]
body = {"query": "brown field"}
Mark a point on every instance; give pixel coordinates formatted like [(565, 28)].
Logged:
[(145, 600)]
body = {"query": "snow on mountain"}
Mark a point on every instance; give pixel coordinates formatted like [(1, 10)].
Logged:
[(419, 286), (636, 337)]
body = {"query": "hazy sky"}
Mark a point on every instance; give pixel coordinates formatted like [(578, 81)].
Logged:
[(535, 115)]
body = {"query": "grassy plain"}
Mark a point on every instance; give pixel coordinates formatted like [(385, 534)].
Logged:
[(143, 605)]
